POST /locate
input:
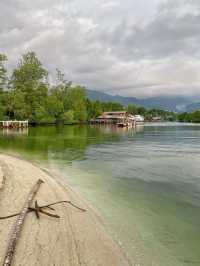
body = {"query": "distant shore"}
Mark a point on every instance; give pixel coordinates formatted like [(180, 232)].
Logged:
[(77, 238)]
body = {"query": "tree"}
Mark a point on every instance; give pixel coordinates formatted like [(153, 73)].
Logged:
[(97, 109), (29, 74), (111, 106), (62, 86), (141, 110), (54, 107), (116, 106), (17, 107), (30, 79), (195, 117), (29, 96), (3, 72), (61, 81), (76, 100), (132, 109), (68, 117)]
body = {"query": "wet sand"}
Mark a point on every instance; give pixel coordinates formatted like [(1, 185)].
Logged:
[(77, 238)]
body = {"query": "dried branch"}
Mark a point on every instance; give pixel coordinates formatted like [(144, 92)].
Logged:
[(64, 201), (19, 224), (44, 206)]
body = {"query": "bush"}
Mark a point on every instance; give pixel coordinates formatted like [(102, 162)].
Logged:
[(68, 117)]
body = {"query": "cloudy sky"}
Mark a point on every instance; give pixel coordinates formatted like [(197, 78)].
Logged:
[(131, 47)]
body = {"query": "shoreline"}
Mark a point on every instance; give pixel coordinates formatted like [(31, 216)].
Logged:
[(77, 238)]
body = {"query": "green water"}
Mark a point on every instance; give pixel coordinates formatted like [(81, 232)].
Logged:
[(145, 184)]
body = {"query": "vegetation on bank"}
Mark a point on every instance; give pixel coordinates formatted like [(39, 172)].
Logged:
[(193, 117), (27, 94)]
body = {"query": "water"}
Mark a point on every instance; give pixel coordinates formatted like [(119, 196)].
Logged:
[(145, 184)]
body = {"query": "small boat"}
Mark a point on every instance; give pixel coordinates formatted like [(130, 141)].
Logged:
[(139, 118), (124, 124)]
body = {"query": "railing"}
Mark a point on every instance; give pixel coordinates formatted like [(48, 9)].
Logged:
[(14, 124)]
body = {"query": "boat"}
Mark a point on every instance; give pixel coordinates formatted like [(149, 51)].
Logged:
[(124, 124), (139, 118)]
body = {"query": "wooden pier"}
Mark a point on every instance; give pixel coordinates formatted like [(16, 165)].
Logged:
[(14, 124)]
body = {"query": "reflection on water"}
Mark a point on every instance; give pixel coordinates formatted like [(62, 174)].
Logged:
[(13, 132), (68, 142), (144, 182), (123, 131)]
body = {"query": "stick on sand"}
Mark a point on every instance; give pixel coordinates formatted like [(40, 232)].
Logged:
[(19, 224)]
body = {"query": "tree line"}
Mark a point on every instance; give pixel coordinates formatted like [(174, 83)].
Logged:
[(27, 94), (193, 117)]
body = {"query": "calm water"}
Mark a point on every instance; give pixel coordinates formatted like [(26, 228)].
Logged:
[(145, 184)]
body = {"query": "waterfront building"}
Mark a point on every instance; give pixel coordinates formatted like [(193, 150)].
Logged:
[(119, 118)]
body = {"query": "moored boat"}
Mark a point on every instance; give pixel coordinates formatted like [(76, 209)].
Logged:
[(139, 118), (124, 124)]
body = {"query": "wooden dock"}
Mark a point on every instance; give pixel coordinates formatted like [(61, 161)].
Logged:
[(14, 124)]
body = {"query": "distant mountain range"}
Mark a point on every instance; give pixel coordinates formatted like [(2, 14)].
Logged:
[(170, 103)]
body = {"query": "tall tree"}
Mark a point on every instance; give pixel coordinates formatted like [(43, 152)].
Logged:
[(62, 86), (30, 79), (29, 74), (3, 72), (76, 101)]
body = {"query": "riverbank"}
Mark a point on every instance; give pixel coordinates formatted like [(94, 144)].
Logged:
[(77, 238)]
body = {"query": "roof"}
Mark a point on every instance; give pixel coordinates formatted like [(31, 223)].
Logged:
[(115, 115)]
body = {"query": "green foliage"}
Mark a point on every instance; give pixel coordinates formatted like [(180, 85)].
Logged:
[(54, 107), (112, 106), (150, 114), (28, 82), (94, 109), (3, 72), (193, 117), (28, 95), (68, 117), (3, 105), (182, 117), (17, 107), (132, 109), (29, 73), (76, 100)]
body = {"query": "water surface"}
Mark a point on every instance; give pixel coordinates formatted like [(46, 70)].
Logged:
[(144, 183)]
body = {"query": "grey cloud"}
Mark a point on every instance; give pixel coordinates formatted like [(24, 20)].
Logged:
[(134, 48), (168, 34)]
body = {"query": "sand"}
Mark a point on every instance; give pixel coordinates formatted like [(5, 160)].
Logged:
[(1, 178), (77, 238)]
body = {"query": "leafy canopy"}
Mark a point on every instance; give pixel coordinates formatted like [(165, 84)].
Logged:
[(26, 94)]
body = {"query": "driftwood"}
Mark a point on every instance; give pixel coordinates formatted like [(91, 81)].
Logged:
[(2, 178), (19, 224), (39, 209)]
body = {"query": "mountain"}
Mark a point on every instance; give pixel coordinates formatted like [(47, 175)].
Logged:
[(193, 107), (170, 103)]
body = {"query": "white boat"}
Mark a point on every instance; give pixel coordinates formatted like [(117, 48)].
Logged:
[(139, 118)]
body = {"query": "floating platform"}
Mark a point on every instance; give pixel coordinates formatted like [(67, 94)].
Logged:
[(14, 124)]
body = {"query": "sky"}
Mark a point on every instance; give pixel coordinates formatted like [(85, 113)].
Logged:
[(138, 48)]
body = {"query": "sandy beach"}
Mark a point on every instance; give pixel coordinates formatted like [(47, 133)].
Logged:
[(77, 238)]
